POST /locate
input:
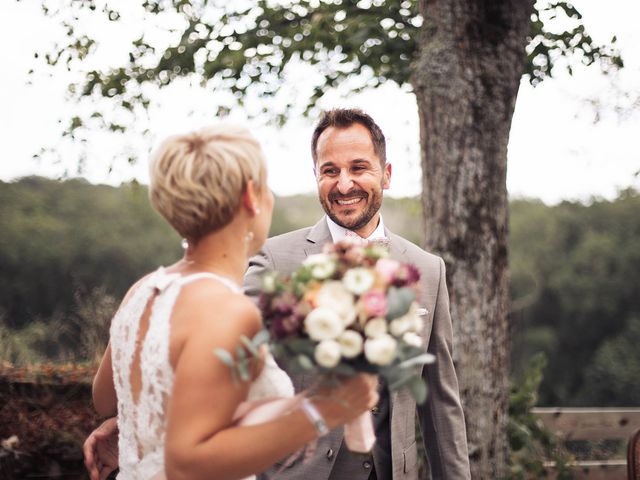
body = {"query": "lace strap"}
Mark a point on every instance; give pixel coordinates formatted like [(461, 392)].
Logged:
[(161, 280), (227, 282)]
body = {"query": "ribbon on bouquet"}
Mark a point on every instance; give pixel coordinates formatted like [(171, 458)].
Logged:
[(255, 412), (359, 434)]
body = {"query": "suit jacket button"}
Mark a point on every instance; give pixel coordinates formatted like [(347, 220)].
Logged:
[(366, 464), (330, 454)]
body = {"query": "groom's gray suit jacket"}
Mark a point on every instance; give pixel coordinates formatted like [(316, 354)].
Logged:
[(441, 417)]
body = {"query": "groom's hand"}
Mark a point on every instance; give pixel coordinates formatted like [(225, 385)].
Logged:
[(101, 450)]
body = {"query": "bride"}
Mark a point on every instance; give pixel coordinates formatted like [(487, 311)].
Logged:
[(174, 399)]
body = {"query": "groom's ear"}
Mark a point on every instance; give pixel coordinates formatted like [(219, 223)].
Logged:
[(250, 198)]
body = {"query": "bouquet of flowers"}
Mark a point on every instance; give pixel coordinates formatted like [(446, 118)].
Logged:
[(346, 310)]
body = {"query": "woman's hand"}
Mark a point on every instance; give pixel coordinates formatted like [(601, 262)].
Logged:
[(101, 450), (347, 400)]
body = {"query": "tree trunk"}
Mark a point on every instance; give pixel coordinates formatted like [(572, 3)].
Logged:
[(466, 79)]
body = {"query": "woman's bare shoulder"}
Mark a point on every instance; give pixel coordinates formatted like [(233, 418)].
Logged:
[(209, 305)]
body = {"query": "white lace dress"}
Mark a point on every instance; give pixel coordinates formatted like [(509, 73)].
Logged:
[(142, 425)]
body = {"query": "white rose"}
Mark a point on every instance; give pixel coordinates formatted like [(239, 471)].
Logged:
[(323, 324), (413, 339), (327, 353), (375, 327), (400, 325), (380, 350), (333, 295), (358, 280), (410, 321), (350, 343), (322, 266), (269, 283)]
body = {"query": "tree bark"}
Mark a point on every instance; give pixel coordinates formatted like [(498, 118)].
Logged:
[(466, 77)]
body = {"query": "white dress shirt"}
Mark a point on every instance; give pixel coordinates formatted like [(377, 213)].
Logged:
[(339, 233)]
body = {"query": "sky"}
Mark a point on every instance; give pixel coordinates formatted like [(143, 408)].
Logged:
[(573, 137)]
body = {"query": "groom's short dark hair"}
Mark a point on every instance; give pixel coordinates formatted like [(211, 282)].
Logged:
[(344, 118)]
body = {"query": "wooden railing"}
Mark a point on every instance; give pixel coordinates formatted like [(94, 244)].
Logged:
[(593, 424)]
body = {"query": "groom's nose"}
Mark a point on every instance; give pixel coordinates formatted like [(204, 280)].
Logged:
[(345, 183)]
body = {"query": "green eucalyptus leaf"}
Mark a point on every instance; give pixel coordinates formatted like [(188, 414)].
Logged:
[(242, 355), (401, 380), (301, 346), (243, 371), (263, 336), (224, 356), (418, 389), (305, 362), (249, 346), (399, 301), (423, 359)]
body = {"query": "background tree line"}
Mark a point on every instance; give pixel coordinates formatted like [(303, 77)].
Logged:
[(69, 250), (462, 59)]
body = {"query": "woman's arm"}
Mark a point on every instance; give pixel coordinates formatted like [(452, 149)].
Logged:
[(200, 440), (104, 392)]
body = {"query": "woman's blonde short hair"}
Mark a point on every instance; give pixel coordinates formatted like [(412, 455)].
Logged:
[(197, 179)]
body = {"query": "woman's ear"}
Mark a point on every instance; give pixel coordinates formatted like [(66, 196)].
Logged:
[(250, 198)]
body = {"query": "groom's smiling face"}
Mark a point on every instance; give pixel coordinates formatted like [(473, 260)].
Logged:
[(350, 177)]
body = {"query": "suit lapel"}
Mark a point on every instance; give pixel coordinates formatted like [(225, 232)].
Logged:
[(317, 237), (397, 249)]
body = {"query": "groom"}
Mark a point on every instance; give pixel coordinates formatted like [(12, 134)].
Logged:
[(349, 154)]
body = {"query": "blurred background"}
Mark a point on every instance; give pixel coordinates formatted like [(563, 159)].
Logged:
[(76, 227)]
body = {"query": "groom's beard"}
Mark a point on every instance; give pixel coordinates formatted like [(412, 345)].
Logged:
[(374, 202)]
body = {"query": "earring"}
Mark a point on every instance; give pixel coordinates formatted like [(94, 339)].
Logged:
[(184, 243), (248, 238), (257, 211)]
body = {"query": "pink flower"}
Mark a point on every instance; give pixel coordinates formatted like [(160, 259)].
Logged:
[(374, 303), (387, 269), (406, 275)]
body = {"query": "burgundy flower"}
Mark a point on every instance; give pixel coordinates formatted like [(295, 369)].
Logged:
[(406, 275)]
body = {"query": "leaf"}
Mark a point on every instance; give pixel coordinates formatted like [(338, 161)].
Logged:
[(242, 355), (263, 336), (400, 381), (305, 362), (249, 346), (424, 359), (399, 301), (418, 390), (224, 356), (301, 345), (243, 371)]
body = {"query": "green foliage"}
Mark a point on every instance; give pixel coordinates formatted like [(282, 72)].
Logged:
[(245, 48), (60, 238), (575, 285), (614, 371), (547, 46), (246, 353), (69, 251), (78, 335), (529, 442)]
